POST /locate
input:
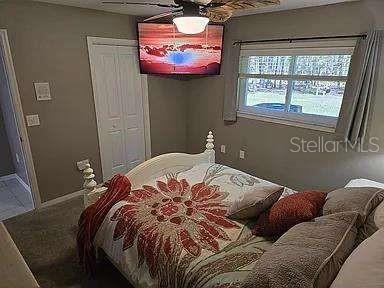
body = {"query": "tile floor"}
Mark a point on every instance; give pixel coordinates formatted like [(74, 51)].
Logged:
[(14, 199)]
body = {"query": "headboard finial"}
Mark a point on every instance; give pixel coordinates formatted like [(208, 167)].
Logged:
[(210, 141), (89, 178)]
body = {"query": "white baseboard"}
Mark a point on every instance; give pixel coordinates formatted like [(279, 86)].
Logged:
[(8, 177), (62, 198), (18, 178), (23, 183)]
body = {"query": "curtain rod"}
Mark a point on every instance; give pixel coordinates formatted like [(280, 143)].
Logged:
[(300, 39)]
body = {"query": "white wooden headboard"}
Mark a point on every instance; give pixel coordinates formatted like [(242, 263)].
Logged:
[(154, 167)]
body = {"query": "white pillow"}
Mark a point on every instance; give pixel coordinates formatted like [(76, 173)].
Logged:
[(247, 196), (364, 183)]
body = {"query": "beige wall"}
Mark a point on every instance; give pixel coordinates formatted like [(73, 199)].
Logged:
[(267, 145), (168, 105), (48, 43)]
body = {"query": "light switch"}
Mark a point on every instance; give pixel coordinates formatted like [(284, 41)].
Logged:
[(33, 120), (43, 92), (222, 149)]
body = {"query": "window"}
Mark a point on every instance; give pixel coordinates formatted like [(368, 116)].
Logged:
[(300, 83)]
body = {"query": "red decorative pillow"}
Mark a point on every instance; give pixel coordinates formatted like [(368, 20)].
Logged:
[(289, 211)]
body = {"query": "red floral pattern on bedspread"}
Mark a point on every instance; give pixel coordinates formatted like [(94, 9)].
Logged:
[(171, 217), (181, 234)]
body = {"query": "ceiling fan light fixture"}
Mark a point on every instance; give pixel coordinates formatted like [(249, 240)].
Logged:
[(191, 24)]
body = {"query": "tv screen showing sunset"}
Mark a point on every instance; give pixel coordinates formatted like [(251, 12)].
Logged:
[(163, 50)]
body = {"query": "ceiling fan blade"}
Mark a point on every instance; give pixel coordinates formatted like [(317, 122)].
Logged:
[(224, 12), (142, 3), (165, 14)]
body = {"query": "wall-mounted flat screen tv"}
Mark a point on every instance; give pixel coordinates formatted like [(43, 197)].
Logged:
[(164, 50)]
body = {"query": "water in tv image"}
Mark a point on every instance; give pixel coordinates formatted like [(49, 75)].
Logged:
[(163, 50)]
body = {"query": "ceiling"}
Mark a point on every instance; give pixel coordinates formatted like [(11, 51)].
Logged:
[(149, 10)]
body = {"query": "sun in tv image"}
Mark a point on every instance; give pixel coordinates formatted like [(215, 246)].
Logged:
[(163, 50)]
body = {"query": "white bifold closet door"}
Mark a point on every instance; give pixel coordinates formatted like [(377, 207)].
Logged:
[(119, 108)]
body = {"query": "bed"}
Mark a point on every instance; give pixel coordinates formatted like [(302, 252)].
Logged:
[(172, 227), (187, 242)]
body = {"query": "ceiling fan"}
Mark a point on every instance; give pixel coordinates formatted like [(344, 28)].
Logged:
[(192, 16)]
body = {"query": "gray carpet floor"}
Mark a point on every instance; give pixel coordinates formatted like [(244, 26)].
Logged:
[(47, 240)]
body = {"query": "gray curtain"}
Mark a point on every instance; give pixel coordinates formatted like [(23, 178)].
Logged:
[(230, 76), (357, 104)]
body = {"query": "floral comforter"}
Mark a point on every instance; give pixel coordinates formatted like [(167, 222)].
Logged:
[(173, 231)]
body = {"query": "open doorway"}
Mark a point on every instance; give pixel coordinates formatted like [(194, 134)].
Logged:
[(18, 187)]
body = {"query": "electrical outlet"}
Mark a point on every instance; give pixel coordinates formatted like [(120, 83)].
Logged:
[(81, 165), (242, 154), (33, 120), (222, 149), (43, 92)]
